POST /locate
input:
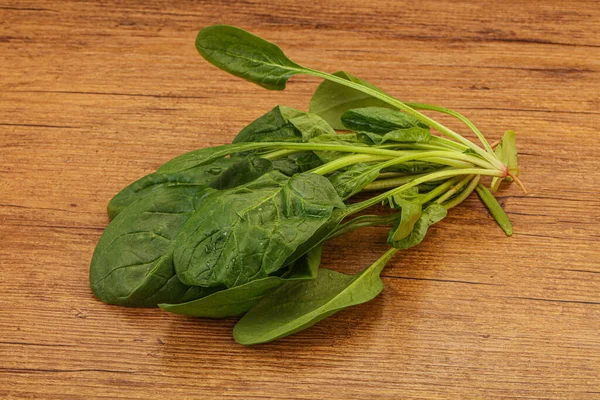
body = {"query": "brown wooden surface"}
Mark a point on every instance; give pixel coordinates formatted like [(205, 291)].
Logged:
[(95, 95)]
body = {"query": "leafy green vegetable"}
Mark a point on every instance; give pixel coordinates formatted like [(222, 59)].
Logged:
[(239, 228), (331, 100), (133, 261), (247, 233), (378, 125), (298, 305), (239, 299), (495, 209)]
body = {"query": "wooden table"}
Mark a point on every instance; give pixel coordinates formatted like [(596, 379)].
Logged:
[(95, 95)]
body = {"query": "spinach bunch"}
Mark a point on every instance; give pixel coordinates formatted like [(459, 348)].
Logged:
[(238, 229)]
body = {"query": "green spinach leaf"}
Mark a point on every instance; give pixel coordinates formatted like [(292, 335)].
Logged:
[(284, 124), (331, 100), (132, 264), (431, 215), (247, 233), (379, 120), (247, 56), (495, 209), (298, 305), (507, 153), (353, 179), (239, 299), (223, 173)]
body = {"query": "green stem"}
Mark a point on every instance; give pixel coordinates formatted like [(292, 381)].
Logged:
[(457, 115), (452, 155), (354, 208), (454, 189), (278, 154), (364, 221), (463, 195), (432, 194), (410, 111)]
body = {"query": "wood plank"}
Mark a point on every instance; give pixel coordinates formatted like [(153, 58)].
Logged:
[(96, 94)]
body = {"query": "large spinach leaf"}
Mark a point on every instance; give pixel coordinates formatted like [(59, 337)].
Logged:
[(239, 299), (133, 261), (220, 174), (298, 305), (247, 233)]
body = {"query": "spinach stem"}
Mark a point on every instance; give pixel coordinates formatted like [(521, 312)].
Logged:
[(430, 177), (413, 156), (364, 221), (464, 194), (457, 115), (454, 189), (438, 190), (410, 111)]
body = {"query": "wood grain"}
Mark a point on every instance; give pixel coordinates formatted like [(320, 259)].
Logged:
[(95, 95)]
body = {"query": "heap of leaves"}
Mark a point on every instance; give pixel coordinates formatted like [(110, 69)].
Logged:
[(238, 229)]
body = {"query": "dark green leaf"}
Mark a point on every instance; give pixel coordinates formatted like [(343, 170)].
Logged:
[(206, 155), (353, 179), (200, 175), (133, 261), (244, 171), (247, 233), (379, 120), (239, 299), (245, 55), (298, 305), (331, 99), (431, 215), (284, 124), (415, 134), (495, 209)]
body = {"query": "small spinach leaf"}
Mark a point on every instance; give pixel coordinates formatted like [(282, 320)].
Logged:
[(239, 299), (247, 56), (298, 305), (495, 209), (431, 215), (284, 124), (411, 211), (331, 99), (247, 233), (507, 153), (379, 120)]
